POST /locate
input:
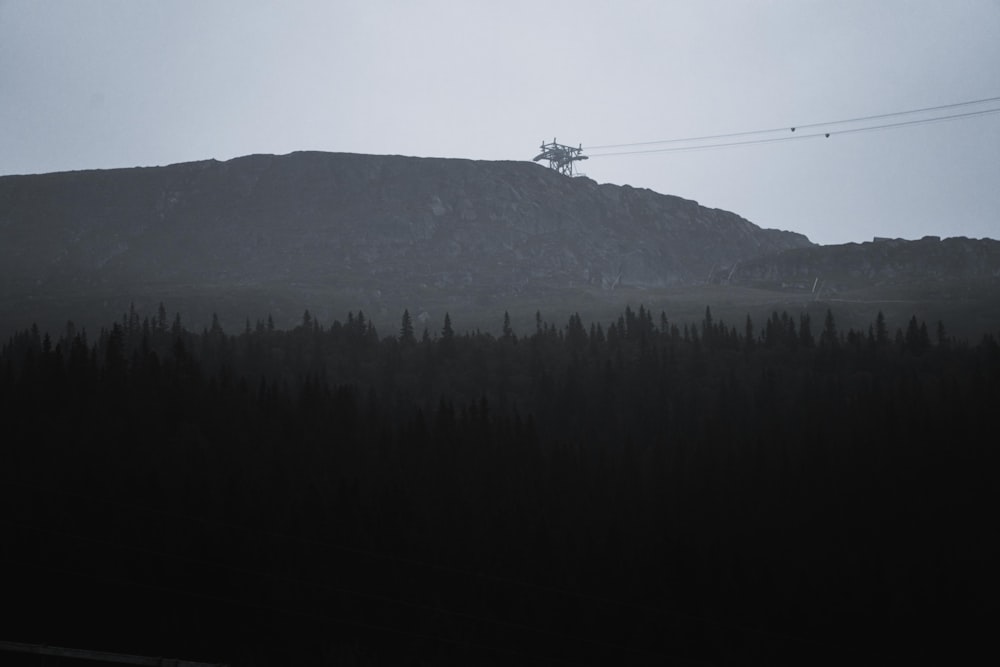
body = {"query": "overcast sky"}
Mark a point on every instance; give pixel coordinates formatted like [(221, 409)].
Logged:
[(100, 84)]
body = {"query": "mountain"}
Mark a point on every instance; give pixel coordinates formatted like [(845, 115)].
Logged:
[(334, 232), (949, 267), (954, 281)]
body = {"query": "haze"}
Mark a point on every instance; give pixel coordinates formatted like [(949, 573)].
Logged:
[(128, 83)]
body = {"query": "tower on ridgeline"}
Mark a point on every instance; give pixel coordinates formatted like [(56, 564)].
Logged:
[(561, 158)]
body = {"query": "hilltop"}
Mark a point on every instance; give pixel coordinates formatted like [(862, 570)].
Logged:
[(267, 235), (333, 231)]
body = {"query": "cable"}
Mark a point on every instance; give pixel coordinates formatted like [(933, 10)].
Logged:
[(787, 127), (729, 144), (902, 113), (920, 121), (800, 137)]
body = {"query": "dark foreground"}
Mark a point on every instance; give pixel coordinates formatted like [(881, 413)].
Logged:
[(645, 493)]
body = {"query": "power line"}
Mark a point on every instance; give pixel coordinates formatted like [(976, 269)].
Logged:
[(985, 100), (920, 121), (729, 144), (785, 128), (797, 137)]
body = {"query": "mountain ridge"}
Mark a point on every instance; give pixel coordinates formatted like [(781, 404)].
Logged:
[(932, 263), (273, 235), (382, 228)]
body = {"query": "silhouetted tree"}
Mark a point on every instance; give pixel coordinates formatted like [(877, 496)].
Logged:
[(829, 338), (881, 332), (406, 336), (447, 341)]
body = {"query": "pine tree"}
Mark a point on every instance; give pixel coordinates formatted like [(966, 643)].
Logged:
[(917, 339), (881, 332), (161, 318), (805, 330), (508, 333), (447, 335), (216, 326), (406, 336), (707, 332), (942, 336), (829, 336)]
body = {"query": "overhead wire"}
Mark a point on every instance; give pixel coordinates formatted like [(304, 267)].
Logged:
[(799, 137), (829, 124), (919, 121), (941, 107)]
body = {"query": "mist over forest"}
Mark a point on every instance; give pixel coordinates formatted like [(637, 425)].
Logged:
[(783, 490)]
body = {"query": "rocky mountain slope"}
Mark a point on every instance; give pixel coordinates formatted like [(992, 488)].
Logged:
[(342, 230), (931, 265)]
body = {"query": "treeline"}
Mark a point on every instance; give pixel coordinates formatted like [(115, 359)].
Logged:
[(631, 494)]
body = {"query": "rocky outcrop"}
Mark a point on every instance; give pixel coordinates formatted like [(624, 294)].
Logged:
[(928, 262), (382, 222)]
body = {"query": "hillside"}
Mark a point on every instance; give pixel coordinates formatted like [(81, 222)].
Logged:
[(950, 267), (334, 232)]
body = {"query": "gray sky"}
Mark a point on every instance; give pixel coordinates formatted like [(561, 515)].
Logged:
[(99, 84)]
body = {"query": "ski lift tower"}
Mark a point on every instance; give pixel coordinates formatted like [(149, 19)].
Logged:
[(561, 158)]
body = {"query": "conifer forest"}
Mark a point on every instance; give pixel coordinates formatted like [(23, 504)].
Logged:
[(635, 492)]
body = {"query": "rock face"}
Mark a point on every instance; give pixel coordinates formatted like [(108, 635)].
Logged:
[(928, 262), (376, 224), (356, 218)]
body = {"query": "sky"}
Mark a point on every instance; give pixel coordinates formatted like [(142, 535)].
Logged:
[(88, 84)]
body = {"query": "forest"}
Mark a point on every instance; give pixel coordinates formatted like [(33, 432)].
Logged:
[(640, 492)]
